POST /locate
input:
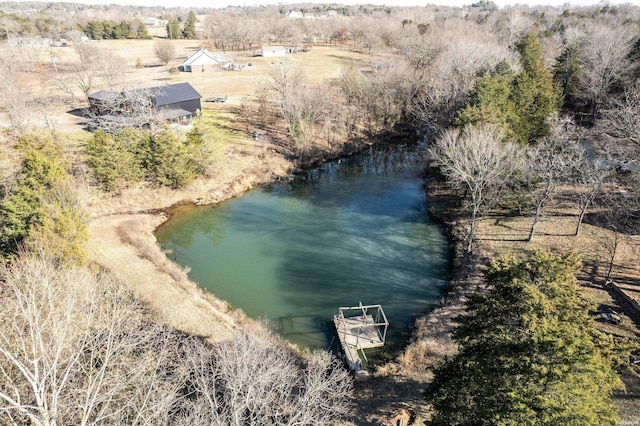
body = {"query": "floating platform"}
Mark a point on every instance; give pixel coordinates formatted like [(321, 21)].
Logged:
[(359, 328)]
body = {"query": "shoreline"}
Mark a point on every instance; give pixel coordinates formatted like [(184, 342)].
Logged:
[(121, 240)]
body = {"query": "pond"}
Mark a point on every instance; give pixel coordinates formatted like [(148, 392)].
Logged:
[(354, 230)]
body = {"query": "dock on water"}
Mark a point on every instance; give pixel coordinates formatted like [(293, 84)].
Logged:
[(360, 327)]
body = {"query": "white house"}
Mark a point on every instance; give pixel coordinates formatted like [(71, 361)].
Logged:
[(294, 14), (273, 51), (201, 59)]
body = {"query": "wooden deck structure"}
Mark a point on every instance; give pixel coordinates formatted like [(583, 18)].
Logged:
[(360, 327)]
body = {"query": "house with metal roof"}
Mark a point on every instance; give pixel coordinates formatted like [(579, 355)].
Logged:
[(171, 102), (202, 59)]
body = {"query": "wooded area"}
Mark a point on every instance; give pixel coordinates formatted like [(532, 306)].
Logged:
[(531, 115)]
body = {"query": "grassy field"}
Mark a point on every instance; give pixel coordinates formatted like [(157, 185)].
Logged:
[(319, 64), (497, 234), (240, 162)]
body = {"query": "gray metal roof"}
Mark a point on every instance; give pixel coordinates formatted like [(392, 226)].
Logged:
[(173, 93), (104, 95), (160, 95)]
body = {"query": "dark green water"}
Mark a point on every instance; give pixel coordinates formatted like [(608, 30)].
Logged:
[(350, 231)]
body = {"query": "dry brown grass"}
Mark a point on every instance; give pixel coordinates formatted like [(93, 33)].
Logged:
[(498, 234), (128, 247), (133, 233)]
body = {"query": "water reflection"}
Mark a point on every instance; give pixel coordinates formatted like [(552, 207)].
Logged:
[(350, 231)]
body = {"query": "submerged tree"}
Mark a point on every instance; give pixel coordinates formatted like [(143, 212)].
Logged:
[(527, 352)]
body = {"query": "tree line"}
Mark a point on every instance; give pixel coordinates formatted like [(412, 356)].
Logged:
[(106, 30), (505, 96)]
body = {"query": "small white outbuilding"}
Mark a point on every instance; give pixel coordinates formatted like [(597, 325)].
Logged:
[(273, 51)]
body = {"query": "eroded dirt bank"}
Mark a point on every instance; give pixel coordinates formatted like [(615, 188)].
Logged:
[(121, 240)]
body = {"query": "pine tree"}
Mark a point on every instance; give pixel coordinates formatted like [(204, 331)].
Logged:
[(491, 103), (41, 211), (189, 31), (567, 75), (141, 31), (171, 160), (533, 92), (173, 29), (519, 105), (526, 352), (114, 159)]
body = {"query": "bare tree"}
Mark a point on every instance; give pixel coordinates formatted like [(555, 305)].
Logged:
[(13, 97), (164, 50), (76, 349), (620, 205), (604, 57), (302, 108), (549, 164), (591, 175), (623, 119), (112, 70), (477, 160), (254, 380), (93, 66), (131, 108), (452, 73)]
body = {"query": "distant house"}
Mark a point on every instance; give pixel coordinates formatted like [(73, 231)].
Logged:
[(171, 102), (203, 58), (273, 51), (154, 22), (294, 14)]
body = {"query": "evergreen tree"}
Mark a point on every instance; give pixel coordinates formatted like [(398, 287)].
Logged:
[(197, 148), (189, 31), (519, 104), (567, 75), (533, 92), (41, 211), (173, 29), (123, 30), (40, 172), (131, 156), (491, 103), (141, 31), (526, 353), (114, 159), (94, 30), (172, 162)]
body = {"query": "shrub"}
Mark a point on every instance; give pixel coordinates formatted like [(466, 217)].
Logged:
[(41, 210)]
